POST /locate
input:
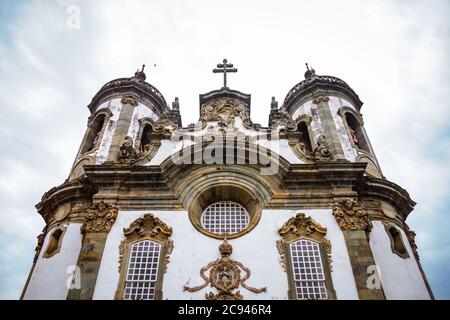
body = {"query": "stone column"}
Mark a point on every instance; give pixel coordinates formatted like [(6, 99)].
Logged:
[(95, 229), (122, 126), (354, 221), (328, 126)]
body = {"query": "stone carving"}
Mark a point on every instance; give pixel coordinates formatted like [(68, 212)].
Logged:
[(129, 100), (99, 218), (322, 150), (40, 243), (151, 228), (225, 276), (127, 153), (167, 122), (274, 104), (320, 99), (351, 215), (224, 112), (283, 118), (176, 104), (302, 227), (411, 235)]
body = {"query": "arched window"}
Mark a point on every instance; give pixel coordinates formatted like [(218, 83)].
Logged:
[(144, 256), (397, 244), (356, 133), (93, 135), (225, 217), (304, 139), (306, 258), (142, 273), (145, 138)]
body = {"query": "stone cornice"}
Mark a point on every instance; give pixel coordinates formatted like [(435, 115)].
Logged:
[(371, 187), (69, 190)]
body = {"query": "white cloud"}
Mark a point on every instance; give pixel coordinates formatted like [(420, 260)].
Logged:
[(394, 54)]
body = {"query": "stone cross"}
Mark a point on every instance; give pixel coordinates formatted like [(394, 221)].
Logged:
[(224, 68)]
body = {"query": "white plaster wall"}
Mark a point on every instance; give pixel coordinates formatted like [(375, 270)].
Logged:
[(50, 276), (335, 104), (256, 250), (400, 278), (139, 112), (310, 109)]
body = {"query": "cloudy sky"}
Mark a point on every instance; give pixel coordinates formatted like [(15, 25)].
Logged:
[(394, 54)]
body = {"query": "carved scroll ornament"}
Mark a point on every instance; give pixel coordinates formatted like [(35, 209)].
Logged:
[(100, 218), (351, 215)]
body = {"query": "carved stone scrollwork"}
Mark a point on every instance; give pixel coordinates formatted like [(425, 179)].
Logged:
[(40, 243), (225, 276), (411, 235), (302, 227), (322, 150), (320, 99), (127, 153), (148, 227), (100, 218), (351, 215), (224, 112), (129, 100), (166, 123), (283, 118)]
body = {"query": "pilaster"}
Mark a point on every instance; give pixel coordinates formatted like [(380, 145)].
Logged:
[(95, 229), (329, 128), (122, 125), (354, 222)]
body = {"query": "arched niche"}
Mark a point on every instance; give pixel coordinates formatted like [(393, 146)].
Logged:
[(95, 131), (371, 169), (300, 138), (147, 140), (354, 125)]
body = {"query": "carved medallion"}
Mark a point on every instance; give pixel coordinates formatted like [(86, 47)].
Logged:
[(100, 218), (224, 112), (127, 153), (351, 215), (225, 276)]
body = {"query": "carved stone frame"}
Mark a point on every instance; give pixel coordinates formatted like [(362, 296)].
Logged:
[(298, 228), (404, 255), (155, 140), (60, 240), (159, 233), (294, 138), (108, 113)]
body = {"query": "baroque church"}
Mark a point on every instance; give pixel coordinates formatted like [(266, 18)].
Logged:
[(224, 208)]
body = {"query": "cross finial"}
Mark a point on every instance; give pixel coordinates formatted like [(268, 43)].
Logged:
[(224, 68)]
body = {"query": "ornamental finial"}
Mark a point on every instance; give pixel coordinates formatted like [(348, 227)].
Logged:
[(309, 72), (140, 73)]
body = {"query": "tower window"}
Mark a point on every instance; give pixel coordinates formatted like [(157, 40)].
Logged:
[(305, 140), (307, 269), (145, 138), (142, 274), (93, 134), (225, 217), (356, 132)]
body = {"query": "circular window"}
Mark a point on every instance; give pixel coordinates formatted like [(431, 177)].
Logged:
[(225, 217)]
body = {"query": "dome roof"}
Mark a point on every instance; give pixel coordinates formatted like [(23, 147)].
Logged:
[(135, 84), (313, 83)]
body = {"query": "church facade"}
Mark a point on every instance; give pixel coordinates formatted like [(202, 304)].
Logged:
[(226, 208)]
